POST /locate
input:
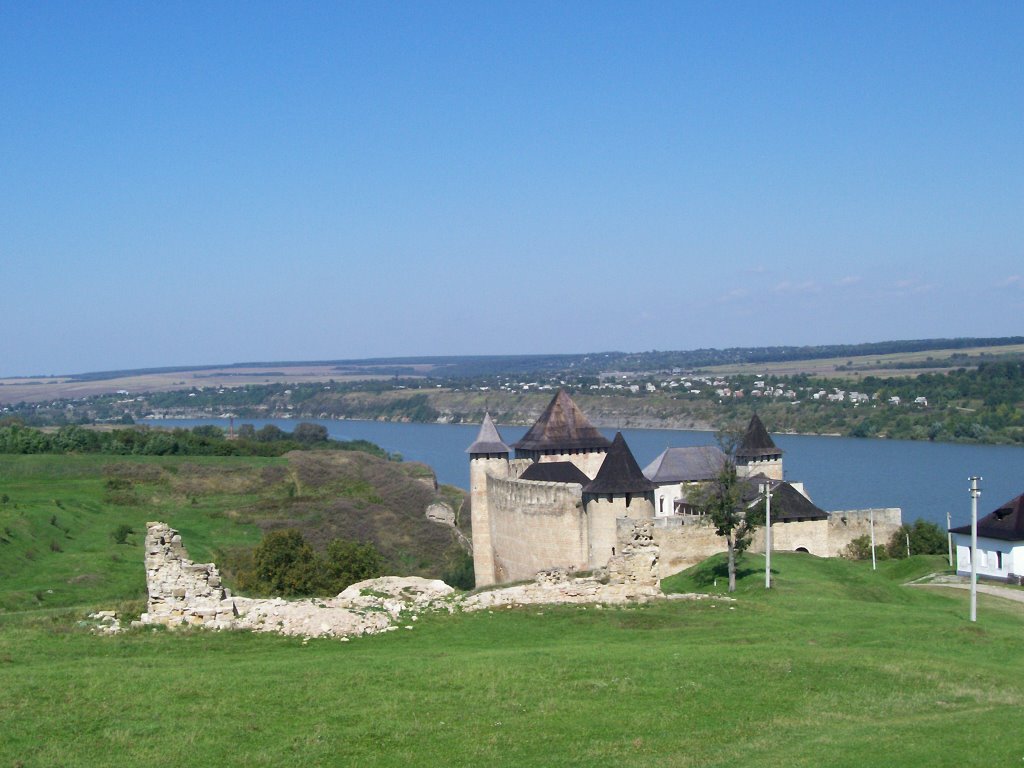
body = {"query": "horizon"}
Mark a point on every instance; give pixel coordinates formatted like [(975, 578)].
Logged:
[(346, 183), (409, 359)]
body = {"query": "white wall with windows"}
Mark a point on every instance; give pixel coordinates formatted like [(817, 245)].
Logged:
[(997, 559)]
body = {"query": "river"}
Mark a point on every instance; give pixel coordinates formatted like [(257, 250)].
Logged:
[(926, 480)]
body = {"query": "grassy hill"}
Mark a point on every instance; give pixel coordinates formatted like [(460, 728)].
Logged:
[(59, 516), (837, 665)]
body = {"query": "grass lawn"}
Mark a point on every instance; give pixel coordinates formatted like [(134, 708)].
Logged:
[(836, 665)]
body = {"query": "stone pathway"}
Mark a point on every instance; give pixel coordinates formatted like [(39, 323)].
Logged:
[(963, 582)]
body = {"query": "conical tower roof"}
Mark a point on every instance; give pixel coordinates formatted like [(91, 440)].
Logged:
[(488, 440), (562, 427), (757, 442), (619, 473)]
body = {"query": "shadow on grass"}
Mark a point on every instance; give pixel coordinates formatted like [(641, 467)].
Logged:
[(707, 576)]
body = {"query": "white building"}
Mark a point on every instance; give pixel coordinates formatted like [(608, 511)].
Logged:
[(677, 469), (1000, 543)]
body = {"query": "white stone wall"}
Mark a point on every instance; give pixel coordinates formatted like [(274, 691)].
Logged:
[(847, 525), (535, 526), (997, 559), (771, 468), (602, 515)]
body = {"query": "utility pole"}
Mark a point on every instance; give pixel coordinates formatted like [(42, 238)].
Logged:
[(874, 565), (768, 535), (949, 538), (975, 493)]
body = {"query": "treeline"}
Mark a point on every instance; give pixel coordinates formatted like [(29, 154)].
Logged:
[(205, 440)]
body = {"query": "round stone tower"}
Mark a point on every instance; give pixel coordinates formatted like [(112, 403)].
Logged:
[(488, 455)]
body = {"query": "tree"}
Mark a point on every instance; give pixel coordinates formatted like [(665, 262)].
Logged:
[(721, 501), (269, 433), (307, 434)]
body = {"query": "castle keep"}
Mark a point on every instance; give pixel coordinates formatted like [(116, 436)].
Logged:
[(562, 496)]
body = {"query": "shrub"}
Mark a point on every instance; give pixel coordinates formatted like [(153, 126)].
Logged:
[(925, 539), (347, 562), (120, 534), (860, 549), (284, 564), (461, 574)]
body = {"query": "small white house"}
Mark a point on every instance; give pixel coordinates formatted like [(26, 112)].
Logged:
[(677, 469), (1000, 543)]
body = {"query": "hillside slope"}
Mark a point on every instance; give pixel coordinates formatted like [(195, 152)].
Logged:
[(71, 527)]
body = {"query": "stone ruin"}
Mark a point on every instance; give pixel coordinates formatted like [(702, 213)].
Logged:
[(180, 591), (187, 594)]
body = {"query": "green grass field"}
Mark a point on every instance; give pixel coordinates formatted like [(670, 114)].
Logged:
[(837, 665)]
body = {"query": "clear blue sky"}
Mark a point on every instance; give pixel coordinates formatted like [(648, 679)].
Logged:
[(186, 183)]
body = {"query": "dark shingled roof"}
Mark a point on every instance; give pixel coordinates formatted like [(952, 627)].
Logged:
[(787, 502), (757, 442), (555, 472), (488, 440), (1006, 523), (619, 473), (562, 427), (686, 465)]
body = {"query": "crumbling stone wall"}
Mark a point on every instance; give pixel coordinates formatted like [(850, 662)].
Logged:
[(180, 591), (637, 561)]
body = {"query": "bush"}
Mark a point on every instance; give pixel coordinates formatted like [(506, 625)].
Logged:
[(860, 549), (461, 575), (347, 562), (285, 564), (120, 534), (925, 539)]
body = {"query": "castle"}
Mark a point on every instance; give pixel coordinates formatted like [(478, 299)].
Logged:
[(563, 497)]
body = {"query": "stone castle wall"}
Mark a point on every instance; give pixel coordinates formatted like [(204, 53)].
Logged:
[(535, 526), (684, 542), (846, 525), (602, 516), (809, 535), (588, 462)]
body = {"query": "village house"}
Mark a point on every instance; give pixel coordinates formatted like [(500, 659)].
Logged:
[(1000, 543)]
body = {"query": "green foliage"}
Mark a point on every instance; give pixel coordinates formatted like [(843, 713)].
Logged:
[(284, 564), (926, 538), (347, 562), (120, 534), (204, 440), (461, 574), (309, 434), (721, 501), (860, 549)]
